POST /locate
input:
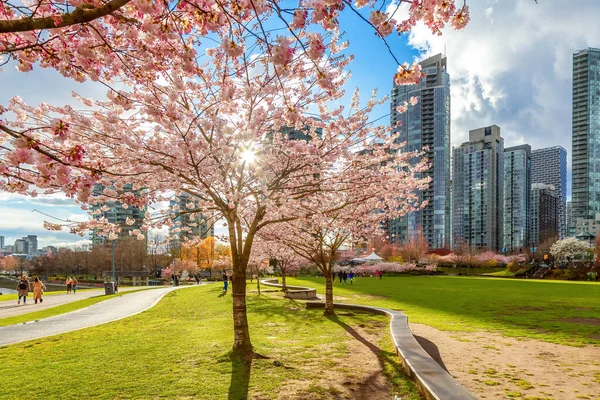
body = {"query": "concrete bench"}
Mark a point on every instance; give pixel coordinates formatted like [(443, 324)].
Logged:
[(293, 292), (432, 380)]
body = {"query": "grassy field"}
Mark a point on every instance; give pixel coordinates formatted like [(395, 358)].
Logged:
[(180, 349), (555, 311), (62, 309)]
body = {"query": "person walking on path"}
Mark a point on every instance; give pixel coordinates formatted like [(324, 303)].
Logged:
[(23, 289), (225, 281), (38, 290), (351, 277), (74, 283), (340, 276), (345, 276), (69, 284)]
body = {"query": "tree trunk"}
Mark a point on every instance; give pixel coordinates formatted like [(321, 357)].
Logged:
[(283, 284), (328, 294), (242, 346)]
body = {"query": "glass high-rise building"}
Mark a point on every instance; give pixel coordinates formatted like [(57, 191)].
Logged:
[(517, 188), (115, 213), (186, 227), (478, 191), (570, 222), (586, 134), (426, 127), (549, 166), (544, 215)]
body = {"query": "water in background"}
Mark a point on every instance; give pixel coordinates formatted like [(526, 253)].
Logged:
[(7, 291)]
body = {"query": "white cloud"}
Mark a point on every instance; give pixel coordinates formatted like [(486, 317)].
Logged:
[(512, 66)]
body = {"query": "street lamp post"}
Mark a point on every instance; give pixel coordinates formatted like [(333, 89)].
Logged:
[(112, 256), (174, 271)]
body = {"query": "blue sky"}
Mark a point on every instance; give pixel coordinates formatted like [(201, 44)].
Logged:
[(511, 66)]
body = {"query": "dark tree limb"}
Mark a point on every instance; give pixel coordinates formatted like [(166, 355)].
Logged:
[(82, 14)]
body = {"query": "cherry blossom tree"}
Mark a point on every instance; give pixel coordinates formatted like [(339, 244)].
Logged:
[(210, 125), (285, 258), (9, 264), (414, 248), (351, 207), (569, 248)]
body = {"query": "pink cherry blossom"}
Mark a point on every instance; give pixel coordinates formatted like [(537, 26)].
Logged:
[(402, 107), (300, 17), (408, 74), (316, 49), (282, 54), (232, 49)]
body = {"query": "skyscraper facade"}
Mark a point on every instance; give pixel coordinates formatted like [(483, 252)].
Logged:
[(115, 213), (517, 188), (549, 166), (426, 127), (478, 190), (586, 134), (570, 223), (1, 242), (544, 215), (186, 227)]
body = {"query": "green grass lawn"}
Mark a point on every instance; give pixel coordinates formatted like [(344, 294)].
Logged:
[(554, 311), (180, 349), (62, 309)]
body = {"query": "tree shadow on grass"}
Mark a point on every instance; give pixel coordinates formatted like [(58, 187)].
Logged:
[(240, 379), (388, 361)]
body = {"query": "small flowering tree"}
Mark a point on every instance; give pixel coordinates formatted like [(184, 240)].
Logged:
[(352, 206), (167, 273), (569, 248), (287, 261)]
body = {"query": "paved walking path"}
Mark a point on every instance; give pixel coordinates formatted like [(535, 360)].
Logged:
[(97, 314), (10, 308)]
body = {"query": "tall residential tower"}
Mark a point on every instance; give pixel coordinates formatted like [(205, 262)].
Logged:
[(586, 134), (517, 188), (426, 127), (549, 166), (478, 190)]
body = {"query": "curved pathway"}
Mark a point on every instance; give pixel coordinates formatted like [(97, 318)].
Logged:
[(10, 308), (106, 311)]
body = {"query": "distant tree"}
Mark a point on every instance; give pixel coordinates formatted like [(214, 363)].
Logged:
[(286, 260), (10, 264), (414, 248), (569, 248)]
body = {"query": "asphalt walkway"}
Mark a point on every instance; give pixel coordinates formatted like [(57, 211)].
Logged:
[(97, 314), (10, 308)]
